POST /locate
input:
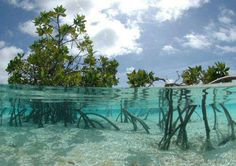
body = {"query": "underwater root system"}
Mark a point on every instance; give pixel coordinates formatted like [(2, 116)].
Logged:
[(126, 117)]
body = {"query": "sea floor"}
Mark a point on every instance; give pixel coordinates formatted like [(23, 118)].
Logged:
[(67, 146)]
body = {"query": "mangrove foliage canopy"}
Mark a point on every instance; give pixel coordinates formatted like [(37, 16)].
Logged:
[(51, 62), (141, 78), (190, 76), (196, 75)]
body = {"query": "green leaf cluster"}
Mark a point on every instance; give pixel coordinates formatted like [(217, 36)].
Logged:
[(99, 72), (196, 75), (141, 78), (214, 72), (192, 75)]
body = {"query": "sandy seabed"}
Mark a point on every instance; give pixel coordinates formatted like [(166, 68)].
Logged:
[(61, 146)]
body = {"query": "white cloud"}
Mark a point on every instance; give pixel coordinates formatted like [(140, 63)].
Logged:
[(24, 4), (227, 49), (121, 37), (220, 34), (226, 16), (114, 38), (225, 19), (171, 10), (132, 6), (196, 41), (130, 69), (6, 54), (227, 34), (224, 29), (28, 28), (111, 36), (169, 49)]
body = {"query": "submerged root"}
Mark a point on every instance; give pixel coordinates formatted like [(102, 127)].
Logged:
[(215, 110), (207, 146), (92, 123), (225, 140), (16, 113), (231, 123), (162, 119), (128, 117), (1, 115), (106, 119), (182, 139), (144, 115)]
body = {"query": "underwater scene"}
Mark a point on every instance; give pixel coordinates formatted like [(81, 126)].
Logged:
[(192, 125)]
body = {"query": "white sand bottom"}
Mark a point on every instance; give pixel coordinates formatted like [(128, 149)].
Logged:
[(60, 146)]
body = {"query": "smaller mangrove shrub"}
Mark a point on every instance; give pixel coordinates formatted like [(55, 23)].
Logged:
[(196, 75), (141, 78)]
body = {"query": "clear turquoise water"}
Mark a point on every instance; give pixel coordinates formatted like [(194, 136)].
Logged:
[(111, 98), (23, 143)]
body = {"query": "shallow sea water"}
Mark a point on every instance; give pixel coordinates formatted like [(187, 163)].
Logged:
[(54, 144)]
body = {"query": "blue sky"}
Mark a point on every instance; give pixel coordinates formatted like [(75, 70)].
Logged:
[(163, 36)]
